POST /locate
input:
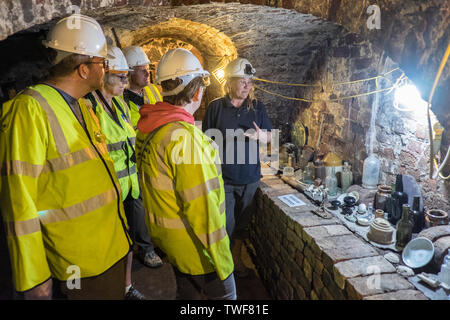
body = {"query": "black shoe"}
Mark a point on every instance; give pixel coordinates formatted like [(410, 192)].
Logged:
[(133, 294)]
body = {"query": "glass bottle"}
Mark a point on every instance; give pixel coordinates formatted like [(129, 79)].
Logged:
[(398, 198), (371, 172), (417, 216), (319, 170), (331, 183), (346, 177), (308, 173), (404, 228)]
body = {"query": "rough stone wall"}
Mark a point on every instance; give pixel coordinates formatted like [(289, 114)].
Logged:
[(302, 256), (401, 140), (414, 33)]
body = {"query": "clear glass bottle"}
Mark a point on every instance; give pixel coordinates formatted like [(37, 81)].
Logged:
[(308, 173), (331, 183), (371, 172), (346, 177), (444, 274), (404, 228)]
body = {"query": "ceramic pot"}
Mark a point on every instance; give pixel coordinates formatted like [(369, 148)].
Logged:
[(436, 217), (379, 213), (383, 193)]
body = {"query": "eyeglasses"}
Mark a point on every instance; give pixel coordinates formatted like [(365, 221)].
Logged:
[(103, 62), (245, 82), (123, 79)]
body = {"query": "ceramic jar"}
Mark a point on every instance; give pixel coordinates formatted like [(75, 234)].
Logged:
[(332, 160), (383, 193), (436, 217), (379, 213)]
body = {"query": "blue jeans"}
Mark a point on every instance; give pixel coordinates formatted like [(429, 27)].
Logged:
[(239, 199), (190, 287), (134, 211)]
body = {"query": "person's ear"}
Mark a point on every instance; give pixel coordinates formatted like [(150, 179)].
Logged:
[(198, 94), (83, 71)]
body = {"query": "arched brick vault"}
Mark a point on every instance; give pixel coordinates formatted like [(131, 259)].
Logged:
[(215, 47)]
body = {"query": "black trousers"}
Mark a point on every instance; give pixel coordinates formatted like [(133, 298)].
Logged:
[(134, 211), (239, 200)]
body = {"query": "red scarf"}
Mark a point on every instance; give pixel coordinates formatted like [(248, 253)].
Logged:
[(156, 115)]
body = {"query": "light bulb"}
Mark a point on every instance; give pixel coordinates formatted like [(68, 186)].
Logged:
[(409, 97)]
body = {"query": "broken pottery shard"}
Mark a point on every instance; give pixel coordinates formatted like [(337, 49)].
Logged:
[(392, 257)]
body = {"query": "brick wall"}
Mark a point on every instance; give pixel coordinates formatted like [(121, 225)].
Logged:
[(302, 256)]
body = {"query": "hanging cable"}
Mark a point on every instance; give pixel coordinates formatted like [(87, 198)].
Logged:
[(323, 100), (319, 85), (436, 80)]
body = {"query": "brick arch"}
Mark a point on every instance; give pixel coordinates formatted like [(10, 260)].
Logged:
[(216, 48)]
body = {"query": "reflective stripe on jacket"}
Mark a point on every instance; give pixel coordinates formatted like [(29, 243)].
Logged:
[(151, 96), (59, 197), (118, 140), (185, 200)]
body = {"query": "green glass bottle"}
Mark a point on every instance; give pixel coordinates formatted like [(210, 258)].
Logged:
[(404, 228)]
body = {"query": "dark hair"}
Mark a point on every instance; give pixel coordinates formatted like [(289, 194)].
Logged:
[(186, 95)]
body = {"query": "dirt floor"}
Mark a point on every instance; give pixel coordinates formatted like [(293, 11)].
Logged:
[(155, 284)]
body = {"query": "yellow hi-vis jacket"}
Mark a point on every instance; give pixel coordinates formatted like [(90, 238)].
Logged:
[(120, 141), (59, 196), (184, 198), (151, 96)]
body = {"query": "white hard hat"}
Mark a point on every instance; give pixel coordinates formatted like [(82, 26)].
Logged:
[(116, 61), (239, 68), (179, 63), (135, 56), (77, 34)]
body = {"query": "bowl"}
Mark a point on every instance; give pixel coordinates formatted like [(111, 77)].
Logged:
[(418, 252), (349, 201), (335, 204)]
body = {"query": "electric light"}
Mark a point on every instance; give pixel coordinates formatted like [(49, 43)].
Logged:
[(219, 74), (409, 98)]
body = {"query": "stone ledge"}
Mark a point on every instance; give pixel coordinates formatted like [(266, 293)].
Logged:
[(399, 295), (360, 287), (319, 258), (360, 267)]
